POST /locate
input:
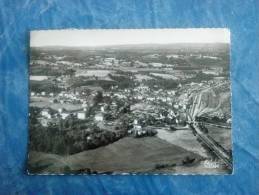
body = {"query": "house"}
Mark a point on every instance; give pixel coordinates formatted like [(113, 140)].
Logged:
[(150, 99), (102, 109), (163, 99), (176, 106), (168, 99), (64, 115), (161, 116), (60, 110), (137, 127), (139, 97), (81, 115), (98, 117), (45, 113)]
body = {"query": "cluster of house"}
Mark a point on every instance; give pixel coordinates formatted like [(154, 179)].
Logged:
[(64, 97), (143, 93), (48, 116), (140, 93), (43, 94)]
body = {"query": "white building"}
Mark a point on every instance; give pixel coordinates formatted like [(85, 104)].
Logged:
[(139, 97), (81, 115), (168, 99), (98, 117), (45, 113), (176, 106), (64, 115), (137, 127), (60, 110)]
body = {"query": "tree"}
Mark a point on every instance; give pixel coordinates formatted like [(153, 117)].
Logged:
[(99, 97)]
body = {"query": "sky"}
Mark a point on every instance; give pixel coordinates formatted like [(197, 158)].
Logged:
[(93, 38)]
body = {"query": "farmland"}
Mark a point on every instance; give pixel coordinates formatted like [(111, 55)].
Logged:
[(125, 155)]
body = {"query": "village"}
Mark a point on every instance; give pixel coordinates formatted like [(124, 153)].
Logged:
[(146, 106)]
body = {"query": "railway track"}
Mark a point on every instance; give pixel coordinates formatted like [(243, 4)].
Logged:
[(217, 149)]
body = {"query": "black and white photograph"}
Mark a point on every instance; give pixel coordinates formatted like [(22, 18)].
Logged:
[(130, 101)]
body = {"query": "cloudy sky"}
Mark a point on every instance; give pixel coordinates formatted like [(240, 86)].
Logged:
[(125, 36)]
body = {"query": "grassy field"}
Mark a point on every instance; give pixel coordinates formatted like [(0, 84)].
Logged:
[(182, 138), (126, 155)]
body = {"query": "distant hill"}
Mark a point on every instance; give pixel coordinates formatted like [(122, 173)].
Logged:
[(176, 46)]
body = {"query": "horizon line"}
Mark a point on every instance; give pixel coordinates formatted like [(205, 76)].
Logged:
[(118, 45)]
